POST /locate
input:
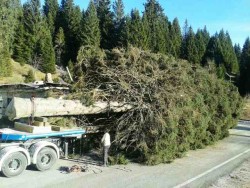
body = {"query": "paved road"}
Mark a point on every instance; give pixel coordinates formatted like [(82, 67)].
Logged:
[(198, 169)]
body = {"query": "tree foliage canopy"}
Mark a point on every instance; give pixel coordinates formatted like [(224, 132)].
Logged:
[(176, 107)]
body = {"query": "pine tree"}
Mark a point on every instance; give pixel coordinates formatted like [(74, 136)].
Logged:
[(184, 40), (162, 34), (126, 31), (32, 24), (192, 51), (213, 51), (237, 50), (175, 39), (70, 17), (106, 24), (90, 32), (119, 23), (244, 84), (50, 9), (21, 51), (45, 49), (200, 45), (9, 13), (206, 35), (59, 45), (229, 57), (214, 54), (158, 26), (33, 44), (118, 8), (137, 31)]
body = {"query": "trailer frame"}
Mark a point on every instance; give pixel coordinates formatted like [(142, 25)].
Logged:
[(41, 150)]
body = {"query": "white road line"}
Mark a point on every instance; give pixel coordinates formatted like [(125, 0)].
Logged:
[(210, 170)]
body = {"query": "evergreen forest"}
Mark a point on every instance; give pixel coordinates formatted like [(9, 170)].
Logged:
[(52, 34)]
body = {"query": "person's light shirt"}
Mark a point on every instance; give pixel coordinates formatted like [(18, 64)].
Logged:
[(106, 139)]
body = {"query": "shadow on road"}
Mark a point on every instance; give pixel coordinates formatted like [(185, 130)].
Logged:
[(85, 161), (240, 135), (242, 128)]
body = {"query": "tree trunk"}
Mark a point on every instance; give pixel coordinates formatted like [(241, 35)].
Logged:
[(21, 108)]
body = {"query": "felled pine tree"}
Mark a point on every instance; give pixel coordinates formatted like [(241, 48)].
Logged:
[(175, 107)]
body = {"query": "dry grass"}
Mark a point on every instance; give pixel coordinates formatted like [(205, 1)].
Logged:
[(246, 110), (19, 73)]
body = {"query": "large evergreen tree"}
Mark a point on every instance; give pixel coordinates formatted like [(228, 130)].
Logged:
[(119, 24), (214, 54), (137, 34), (175, 39), (21, 51), (90, 32), (200, 45), (106, 24), (184, 40), (158, 26), (45, 49), (33, 44), (32, 24), (237, 50), (192, 51), (70, 20), (229, 57), (9, 13), (245, 68), (50, 10)]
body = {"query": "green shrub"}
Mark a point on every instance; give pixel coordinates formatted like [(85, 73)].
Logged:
[(30, 77), (118, 159)]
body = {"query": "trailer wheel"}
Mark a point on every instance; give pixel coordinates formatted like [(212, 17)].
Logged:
[(46, 158), (14, 164)]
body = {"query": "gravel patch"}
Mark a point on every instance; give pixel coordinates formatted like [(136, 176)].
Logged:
[(239, 178)]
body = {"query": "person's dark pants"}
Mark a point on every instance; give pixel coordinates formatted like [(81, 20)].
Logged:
[(105, 155)]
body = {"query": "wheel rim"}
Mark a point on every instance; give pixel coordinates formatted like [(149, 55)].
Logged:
[(14, 165), (45, 159)]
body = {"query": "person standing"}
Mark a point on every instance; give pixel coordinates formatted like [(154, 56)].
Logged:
[(106, 145)]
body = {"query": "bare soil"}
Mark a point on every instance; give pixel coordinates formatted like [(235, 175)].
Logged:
[(239, 178)]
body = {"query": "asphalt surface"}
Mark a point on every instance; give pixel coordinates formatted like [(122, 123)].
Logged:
[(198, 168)]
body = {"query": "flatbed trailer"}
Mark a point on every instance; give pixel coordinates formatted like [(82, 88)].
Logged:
[(20, 149)]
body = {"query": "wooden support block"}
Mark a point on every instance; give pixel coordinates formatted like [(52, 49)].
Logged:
[(31, 129), (41, 119), (38, 124), (23, 127), (46, 124), (56, 128)]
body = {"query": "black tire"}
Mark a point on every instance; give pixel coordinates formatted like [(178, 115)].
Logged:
[(46, 158), (14, 164)]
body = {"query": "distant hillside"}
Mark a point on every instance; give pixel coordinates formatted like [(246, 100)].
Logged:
[(19, 73)]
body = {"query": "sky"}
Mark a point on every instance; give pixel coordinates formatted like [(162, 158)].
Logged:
[(231, 15)]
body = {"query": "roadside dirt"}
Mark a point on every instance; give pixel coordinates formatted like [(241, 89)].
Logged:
[(239, 178)]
